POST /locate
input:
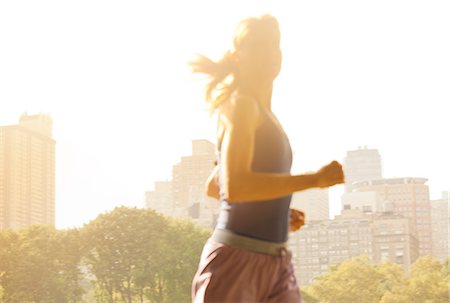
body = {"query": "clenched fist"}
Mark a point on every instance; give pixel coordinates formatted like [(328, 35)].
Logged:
[(330, 175), (297, 219)]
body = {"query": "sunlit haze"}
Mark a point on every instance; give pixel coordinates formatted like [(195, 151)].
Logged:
[(113, 76)]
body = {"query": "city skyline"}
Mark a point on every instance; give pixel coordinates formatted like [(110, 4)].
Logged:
[(383, 219), (403, 205), (335, 201), (125, 106)]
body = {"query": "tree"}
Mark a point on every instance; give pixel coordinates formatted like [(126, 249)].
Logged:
[(8, 245), (308, 297), (184, 243), (428, 282), (118, 246), (354, 280), (69, 256), (129, 254), (393, 280), (136, 254), (34, 267)]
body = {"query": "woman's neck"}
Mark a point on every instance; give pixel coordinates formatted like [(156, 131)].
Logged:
[(262, 93)]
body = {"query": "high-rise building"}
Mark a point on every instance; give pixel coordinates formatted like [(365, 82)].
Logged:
[(321, 244), (408, 197), (27, 172), (188, 184), (185, 195), (361, 165), (394, 240), (378, 236), (313, 202), (440, 216), (365, 201), (189, 176), (160, 199)]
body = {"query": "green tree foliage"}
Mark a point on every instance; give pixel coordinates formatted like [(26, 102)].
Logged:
[(8, 243), (36, 267), (184, 243), (357, 280), (138, 255), (129, 255), (393, 281), (70, 254), (307, 296), (428, 282), (352, 281), (123, 247), (446, 269)]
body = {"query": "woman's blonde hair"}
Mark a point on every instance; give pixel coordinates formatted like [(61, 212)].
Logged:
[(222, 74)]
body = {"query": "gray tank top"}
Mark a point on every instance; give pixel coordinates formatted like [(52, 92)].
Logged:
[(269, 219)]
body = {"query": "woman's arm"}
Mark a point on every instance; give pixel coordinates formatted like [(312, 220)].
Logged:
[(241, 183)]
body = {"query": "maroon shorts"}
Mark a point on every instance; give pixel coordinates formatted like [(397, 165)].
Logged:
[(230, 274)]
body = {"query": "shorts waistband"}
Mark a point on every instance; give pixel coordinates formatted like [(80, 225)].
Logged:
[(250, 244)]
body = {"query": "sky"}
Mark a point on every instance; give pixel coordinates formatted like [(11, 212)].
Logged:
[(113, 75)]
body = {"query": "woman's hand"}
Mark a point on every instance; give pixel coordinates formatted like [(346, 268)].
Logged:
[(330, 175), (297, 219)]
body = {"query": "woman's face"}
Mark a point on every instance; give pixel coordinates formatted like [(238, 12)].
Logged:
[(259, 58)]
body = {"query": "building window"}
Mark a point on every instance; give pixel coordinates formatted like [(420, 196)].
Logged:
[(367, 208)]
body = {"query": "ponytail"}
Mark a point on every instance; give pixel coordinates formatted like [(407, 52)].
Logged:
[(221, 76)]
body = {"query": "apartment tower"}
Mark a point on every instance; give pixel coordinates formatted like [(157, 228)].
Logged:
[(361, 165), (408, 197), (27, 173), (313, 202), (440, 216)]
